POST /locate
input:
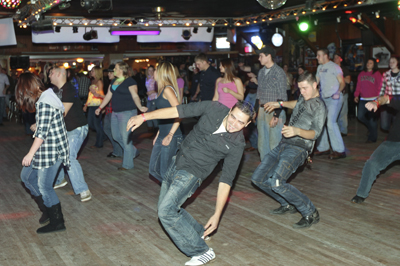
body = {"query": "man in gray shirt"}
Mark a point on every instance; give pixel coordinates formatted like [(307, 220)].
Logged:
[(272, 85), (330, 78), (305, 126)]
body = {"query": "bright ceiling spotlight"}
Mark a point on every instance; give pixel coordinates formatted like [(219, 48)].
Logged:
[(90, 35), (303, 26)]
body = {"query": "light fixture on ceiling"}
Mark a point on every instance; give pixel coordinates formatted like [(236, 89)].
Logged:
[(209, 29), (195, 30), (10, 4), (74, 29), (186, 34), (97, 5), (57, 28), (271, 4), (90, 35), (277, 39), (129, 32), (309, 5), (43, 26)]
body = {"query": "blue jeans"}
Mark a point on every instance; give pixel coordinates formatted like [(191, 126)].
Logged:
[(96, 124), (75, 173), (332, 129), (370, 119), (385, 154), (387, 116), (2, 108), (117, 149), (273, 172), (252, 128), (119, 120), (268, 138), (151, 105), (342, 120), (161, 156), (40, 182), (182, 228)]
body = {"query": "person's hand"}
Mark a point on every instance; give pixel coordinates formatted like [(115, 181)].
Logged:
[(194, 98), (33, 127), (240, 64), (143, 109), (134, 122), (97, 112), (356, 99), (93, 90), (211, 225), (85, 108), (226, 90), (253, 79), (167, 140), (371, 106), (269, 107), (27, 159), (289, 132), (273, 122), (251, 75)]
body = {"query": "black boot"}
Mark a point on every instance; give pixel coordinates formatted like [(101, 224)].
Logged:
[(56, 220), (45, 218)]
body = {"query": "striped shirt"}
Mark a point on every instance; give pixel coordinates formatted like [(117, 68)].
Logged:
[(272, 84)]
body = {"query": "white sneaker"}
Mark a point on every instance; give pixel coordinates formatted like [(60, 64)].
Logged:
[(86, 195), (206, 238), (202, 259), (62, 184)]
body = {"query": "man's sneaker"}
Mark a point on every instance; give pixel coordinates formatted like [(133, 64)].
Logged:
[(307, 221), (86, 195), (206, 238), (62, 184), (284, 209), (357, 199), (202, 259)]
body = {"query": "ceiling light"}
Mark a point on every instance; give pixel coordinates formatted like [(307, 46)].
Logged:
[(90, 35), (271, 4), (195, 30), (128, 32), (377, 14), (186, 34), (79, 60), (74, 29), (57, 29), (209, 29)]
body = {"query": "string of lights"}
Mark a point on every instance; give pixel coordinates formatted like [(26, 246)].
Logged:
[(292, 13)]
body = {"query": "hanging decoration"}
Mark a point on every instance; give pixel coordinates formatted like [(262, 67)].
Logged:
[(10, 4), (271, 4)]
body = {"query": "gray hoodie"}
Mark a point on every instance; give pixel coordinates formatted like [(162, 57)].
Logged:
[(50, 98)]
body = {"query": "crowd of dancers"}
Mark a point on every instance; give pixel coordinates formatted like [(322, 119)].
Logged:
[(181, 163)]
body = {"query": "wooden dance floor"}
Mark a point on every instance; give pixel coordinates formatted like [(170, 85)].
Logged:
[(119, 226)]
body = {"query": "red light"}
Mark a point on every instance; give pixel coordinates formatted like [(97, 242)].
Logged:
[(348, 12), (353, 19), (377, 60)]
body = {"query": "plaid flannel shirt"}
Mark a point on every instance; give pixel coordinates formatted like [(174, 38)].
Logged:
[(51, 128), (272, 86), (390, 85)]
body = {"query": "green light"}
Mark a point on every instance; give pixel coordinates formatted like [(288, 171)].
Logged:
[(303, 26)]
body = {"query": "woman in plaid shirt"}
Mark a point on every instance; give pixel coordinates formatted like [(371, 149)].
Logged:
[(48, 151)]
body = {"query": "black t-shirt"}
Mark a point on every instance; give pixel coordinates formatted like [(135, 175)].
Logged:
[(75, 117), (207, 83), (121, 96)]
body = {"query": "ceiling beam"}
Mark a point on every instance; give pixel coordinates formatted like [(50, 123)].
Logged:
[(374, 28)]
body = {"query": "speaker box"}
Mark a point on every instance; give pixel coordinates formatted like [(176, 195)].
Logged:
[(19, 62)]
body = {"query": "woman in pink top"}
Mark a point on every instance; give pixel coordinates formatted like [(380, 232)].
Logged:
[(229, 88), (368, 87)]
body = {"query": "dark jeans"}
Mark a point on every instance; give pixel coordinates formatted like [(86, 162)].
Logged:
[(385, 154), (369, 119), (95, 123), (182, 228), (161, 156), (273, 172)]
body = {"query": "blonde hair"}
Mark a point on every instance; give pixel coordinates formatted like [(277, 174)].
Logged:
[(124, 67), (166, 76), (177, 72), (98, 73)]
